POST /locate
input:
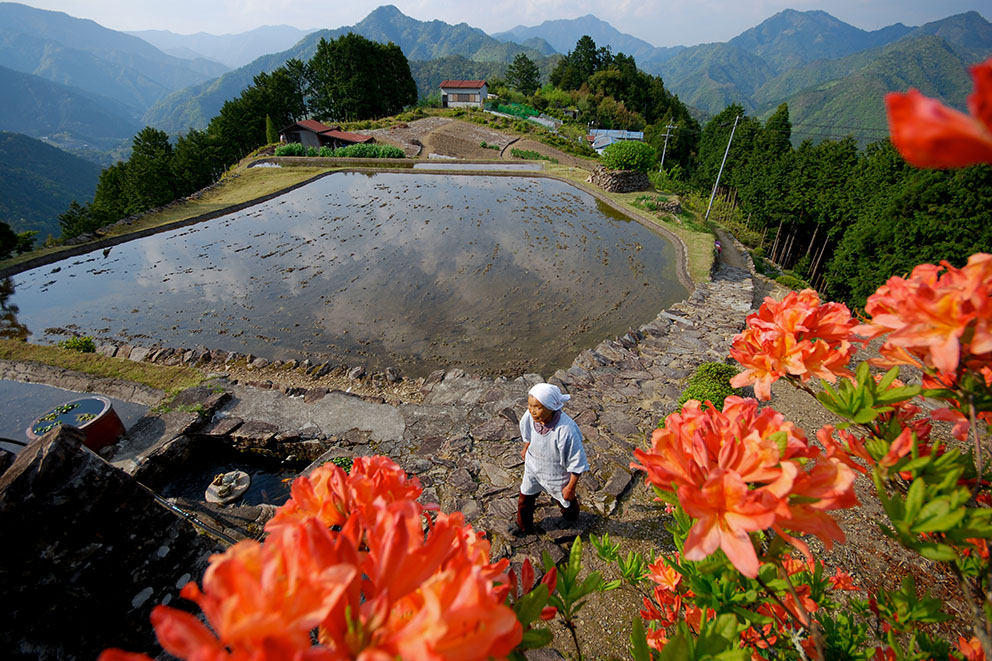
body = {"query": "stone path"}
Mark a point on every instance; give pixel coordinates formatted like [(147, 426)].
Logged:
[(462, 441)]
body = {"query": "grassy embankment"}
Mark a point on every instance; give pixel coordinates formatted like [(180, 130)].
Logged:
[(691, 230), (167, 379)]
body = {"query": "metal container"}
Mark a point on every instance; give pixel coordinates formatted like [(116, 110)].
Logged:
[(93, 415)]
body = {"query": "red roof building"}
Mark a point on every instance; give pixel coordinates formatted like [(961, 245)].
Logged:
[(463, 93), (311, 133)]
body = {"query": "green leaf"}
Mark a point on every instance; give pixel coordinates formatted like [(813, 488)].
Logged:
[(677, 649), (938, 552), (528, 607), (638, 641), (914, 499), (535, 638)]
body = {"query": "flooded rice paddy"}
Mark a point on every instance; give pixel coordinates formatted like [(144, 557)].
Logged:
[(497, 275)]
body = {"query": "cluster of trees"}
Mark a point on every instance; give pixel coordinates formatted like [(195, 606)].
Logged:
[(608, 91), (15, 242), (348, 78), (843, 218)]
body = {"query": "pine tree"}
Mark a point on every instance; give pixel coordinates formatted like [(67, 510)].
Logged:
[(522, 75)]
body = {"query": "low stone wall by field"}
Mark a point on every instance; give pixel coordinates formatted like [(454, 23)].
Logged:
[(619, 181)]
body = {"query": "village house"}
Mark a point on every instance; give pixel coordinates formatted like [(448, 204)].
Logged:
[(311, 133), (463, 93), (600, 139)]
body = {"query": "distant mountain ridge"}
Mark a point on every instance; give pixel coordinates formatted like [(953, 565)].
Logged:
[(562, 34), (419, 40), (71, 119), (832, 80), (83, 54), (232, 50)]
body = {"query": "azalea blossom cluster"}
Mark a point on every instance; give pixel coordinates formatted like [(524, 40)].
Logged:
[(928, 134), (672, 601), (795, 337), (742, 470), (939, 318), (348, 556)]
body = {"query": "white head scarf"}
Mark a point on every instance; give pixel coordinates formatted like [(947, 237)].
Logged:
[(550, 396)]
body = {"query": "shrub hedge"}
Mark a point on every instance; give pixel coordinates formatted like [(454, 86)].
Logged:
[(630, 155), (351, 151), (710, 382)]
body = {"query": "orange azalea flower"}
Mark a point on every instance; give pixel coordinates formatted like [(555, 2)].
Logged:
[(666, 576), (971, 650), (332, 495), (737, 471), (841, 580), (797, 336), (656, 639), (726, 511), (407, 593), (939, 316), (280, 590), (928, 134)]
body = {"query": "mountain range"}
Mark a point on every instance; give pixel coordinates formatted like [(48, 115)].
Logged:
[(88, 89), (420, 41), (231, 50)]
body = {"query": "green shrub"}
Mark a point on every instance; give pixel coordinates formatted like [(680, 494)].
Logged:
[(344, 463), (290, 149), (82, 344), (326, 151), (710, 382), (791, 282), (630, 155), (369, 151), (528, 155)]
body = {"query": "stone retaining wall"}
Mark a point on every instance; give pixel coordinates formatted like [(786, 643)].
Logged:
[(619, 181)]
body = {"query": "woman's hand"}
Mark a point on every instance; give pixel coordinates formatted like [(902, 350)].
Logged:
[(568, 491), (523, 451)]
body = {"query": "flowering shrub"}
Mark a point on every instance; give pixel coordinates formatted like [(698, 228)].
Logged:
[(349, 557), (745, 483)]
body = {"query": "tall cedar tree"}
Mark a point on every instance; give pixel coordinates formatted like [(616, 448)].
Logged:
[(353, 78), (522, 75), (148, 182)]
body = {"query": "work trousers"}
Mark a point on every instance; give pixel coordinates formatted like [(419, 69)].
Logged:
[(526, 505)]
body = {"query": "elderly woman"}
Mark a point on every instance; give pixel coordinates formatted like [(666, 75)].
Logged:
[(553, 455)]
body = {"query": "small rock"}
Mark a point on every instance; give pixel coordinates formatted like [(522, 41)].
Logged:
[(356, 373), (393, 375)]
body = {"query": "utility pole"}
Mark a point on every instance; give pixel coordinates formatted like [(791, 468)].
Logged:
[(661, 168), (718, 174)]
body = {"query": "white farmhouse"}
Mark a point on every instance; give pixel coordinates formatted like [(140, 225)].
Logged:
[(463, 93)]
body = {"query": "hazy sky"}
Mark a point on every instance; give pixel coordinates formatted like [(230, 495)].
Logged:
[(660, 22)]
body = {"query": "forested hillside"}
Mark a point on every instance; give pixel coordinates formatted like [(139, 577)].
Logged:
[(38, 181), (831, 74), (419, 41), (68, 118), (843, 219), (83, 54)]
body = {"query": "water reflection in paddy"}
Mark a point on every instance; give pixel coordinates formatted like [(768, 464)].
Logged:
[(492, 274)]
